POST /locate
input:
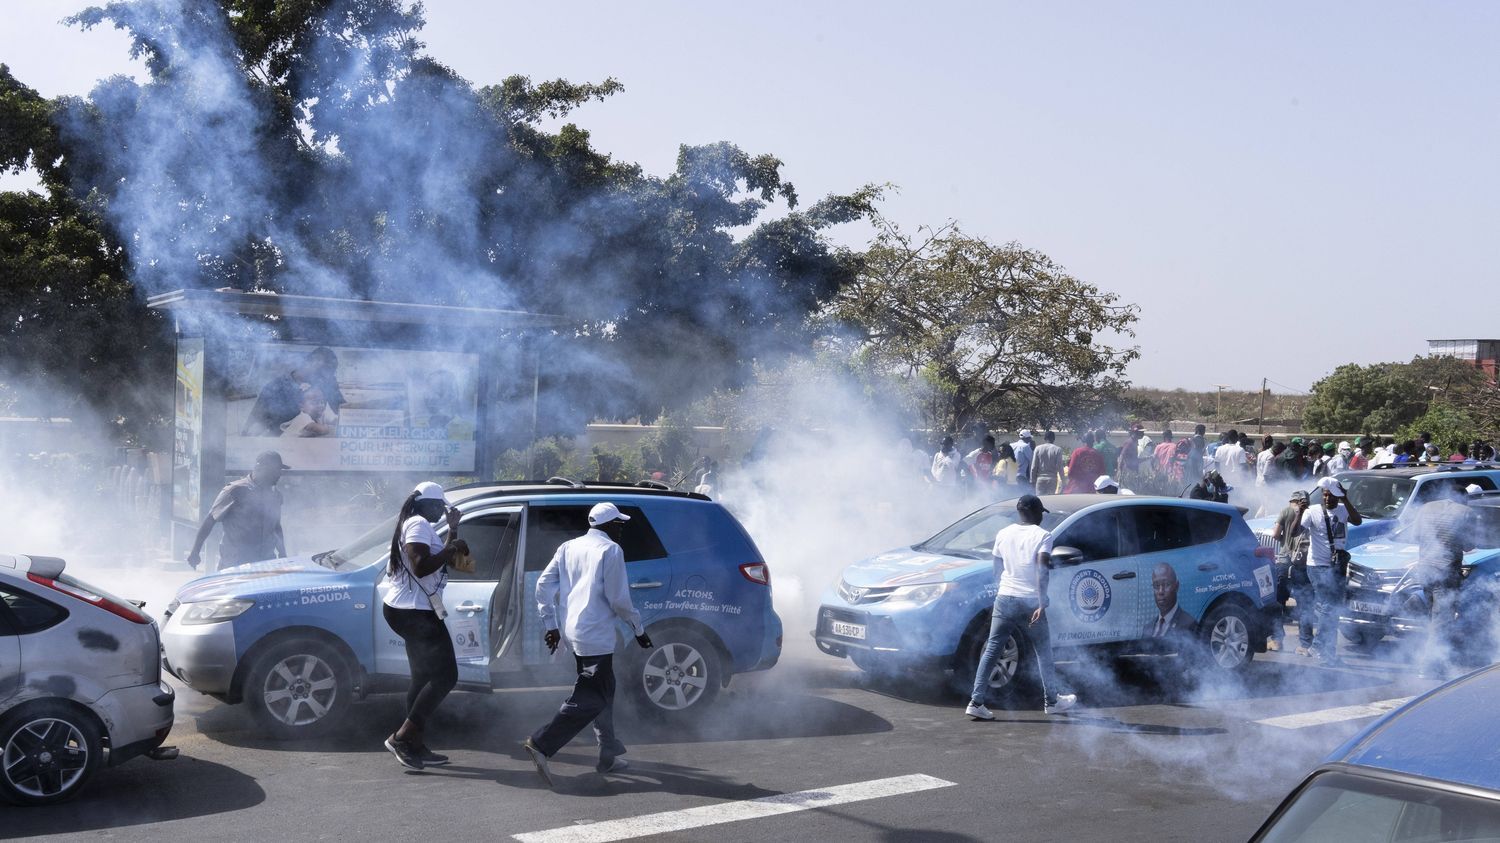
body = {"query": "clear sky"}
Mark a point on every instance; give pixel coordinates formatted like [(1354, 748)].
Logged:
[(1281, 187)]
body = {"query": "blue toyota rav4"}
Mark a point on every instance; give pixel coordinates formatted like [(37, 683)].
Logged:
[(1120, 564), (299, 639)]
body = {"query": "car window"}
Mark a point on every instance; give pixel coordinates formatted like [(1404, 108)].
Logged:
[(550, 525), (1377, 496), (1159, 528), (974, 534), (1096, 534), (1207, 527), (492, 543), (1338, 808), (29, 614), (1448, 487)]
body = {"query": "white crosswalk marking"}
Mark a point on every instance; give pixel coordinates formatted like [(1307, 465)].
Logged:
[(1332, 715), (728, 812)]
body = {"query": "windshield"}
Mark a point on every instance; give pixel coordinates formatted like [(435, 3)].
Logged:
[(1376, 496), (1339, 807), (363, 551), (974, 535)]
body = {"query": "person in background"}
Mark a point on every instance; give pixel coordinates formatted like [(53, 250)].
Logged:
[(582, 594), (981, 465), (1006, 470), (1360, 459), (1231, 460), (1106, 485), (1022, 448), (1193, 467), (1341, 458), (1163, 455), (1265, 473), (249, 510), (1211, 487), (1322, 466), (947, 464), (1107, 451), (1291, 574), (1327, 526), (1128, 464), (1446, 530), (1432, 454), (417, 573), (1022, 559), (1084, 467), (1047, 465)]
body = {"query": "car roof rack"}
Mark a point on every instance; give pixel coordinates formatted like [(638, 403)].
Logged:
[(563, 481), (653, 484), (566, 486)]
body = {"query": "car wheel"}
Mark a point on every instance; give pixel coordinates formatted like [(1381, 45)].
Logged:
[(1007, 675), (1363, 640), (47, 752), (1227, 638), (299, 688), (678, 677)]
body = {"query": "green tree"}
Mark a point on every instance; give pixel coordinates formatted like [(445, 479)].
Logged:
[(998, 333), (1452, 428), (1385, 397)]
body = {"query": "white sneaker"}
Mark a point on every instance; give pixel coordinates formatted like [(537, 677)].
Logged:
[(543, 769), (979, 712), (1064, 702), (616, 765)]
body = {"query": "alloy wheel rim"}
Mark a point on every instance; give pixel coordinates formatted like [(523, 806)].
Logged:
[(675, 676), (45, 757), (1230, 641), (300, 690), (1005, 666)]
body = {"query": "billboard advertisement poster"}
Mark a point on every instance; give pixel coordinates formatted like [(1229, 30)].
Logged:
[(327, 408), (187, 431)]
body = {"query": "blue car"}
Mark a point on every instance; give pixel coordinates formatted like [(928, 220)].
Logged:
[(1427, 771), (299, 639), (1385, 599), (1120, 564), (1387, 496)]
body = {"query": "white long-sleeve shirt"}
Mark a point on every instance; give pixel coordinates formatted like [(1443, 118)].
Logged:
[(585, 583)]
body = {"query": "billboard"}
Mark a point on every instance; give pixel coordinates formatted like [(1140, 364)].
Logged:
[(352, 409), (187, 431)]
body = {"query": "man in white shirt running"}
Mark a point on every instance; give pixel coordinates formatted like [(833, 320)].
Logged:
[(585, 585), (1023, 558)]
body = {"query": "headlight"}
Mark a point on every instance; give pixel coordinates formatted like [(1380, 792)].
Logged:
[(919, 595), (213, 611)]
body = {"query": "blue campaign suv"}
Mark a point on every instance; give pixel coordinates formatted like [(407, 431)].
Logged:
[(299, 639), (1121, 564)]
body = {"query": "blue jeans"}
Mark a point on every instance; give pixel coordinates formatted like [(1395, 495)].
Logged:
[(1328, 595), (1032, 639), (1302, 593)]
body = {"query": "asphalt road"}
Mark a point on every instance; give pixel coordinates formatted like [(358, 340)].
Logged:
[(1136, 762)]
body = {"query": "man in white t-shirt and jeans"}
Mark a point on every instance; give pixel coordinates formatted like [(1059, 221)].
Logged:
[(1326, 525), (1023, 559)]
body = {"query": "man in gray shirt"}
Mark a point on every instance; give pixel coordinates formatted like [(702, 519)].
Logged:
[(249, 511), (1445, 531), (1047, 465)]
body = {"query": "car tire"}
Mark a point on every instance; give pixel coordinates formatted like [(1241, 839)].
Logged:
[(679, 677), (48, 751), (299, 688), (1227, 635), (1361, 640), (1012, 671)]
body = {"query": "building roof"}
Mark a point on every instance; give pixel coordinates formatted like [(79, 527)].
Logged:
[(316, 307)]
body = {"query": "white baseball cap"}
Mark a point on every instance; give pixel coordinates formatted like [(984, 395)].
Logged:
[(430, 491), (1104, 482), (1332, 486), (1025, 433), (603, 513), (1473, 489)]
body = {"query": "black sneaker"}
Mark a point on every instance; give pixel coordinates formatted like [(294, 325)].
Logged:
[(429, 758), (403, 752)]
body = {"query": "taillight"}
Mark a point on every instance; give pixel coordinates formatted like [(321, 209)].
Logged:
[(757, 572), (127, 612), (1266, 552)]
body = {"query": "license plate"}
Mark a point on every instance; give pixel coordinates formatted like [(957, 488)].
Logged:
[(1369, 608), (848, 630)]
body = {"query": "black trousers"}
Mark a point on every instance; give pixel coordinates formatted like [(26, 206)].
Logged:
[(593, 701), (429, 651)]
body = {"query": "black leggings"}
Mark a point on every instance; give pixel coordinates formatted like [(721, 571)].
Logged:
[(429, 651)]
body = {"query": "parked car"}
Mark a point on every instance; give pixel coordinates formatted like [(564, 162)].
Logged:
[(1387, 496), (1427, 771), (299, 639), (929, 604), (1385, 599), (80, 682)]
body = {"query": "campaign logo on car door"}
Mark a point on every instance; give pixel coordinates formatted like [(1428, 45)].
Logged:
[(1089, 595)]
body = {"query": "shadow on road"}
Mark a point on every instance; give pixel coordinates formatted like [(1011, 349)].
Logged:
[(140, 792)]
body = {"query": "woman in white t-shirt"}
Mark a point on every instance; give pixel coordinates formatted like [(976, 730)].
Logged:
[(416, 573)]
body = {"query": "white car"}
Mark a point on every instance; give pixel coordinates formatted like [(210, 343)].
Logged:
[(80, 682)]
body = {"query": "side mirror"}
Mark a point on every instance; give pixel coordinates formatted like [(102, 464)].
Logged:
[(1066, 555)]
